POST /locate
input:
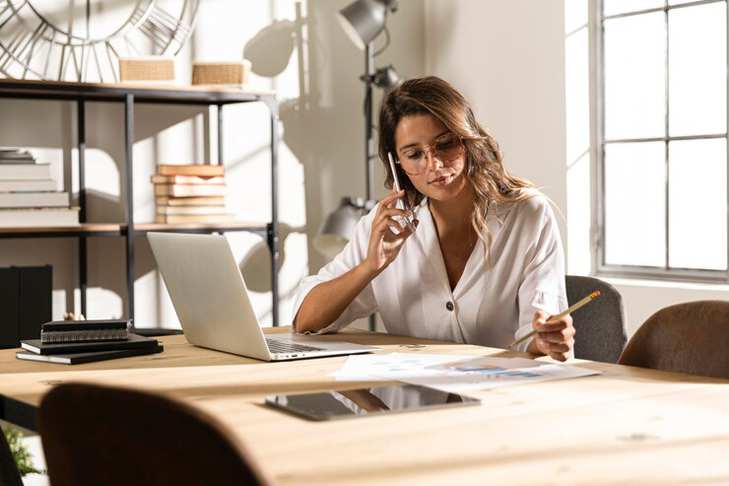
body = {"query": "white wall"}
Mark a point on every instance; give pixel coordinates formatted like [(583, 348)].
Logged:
[(322, 148), (508, 60)]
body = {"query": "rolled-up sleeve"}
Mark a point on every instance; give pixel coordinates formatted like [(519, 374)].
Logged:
[(352, 255), (543, 282)]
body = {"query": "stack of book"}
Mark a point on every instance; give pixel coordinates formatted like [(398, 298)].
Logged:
[(75, 342), (28, 193), (193, 193)]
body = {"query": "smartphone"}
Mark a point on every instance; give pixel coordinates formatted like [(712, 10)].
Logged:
[(402, 203)]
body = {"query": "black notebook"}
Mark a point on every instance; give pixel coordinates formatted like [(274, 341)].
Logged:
[(88, 357), (133, 342)]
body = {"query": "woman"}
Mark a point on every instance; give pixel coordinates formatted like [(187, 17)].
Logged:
[(482, 263)]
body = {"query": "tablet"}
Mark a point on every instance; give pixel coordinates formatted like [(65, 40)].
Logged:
[(361, 402)]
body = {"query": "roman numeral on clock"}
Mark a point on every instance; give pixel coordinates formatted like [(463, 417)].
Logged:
[(6, 12), (31, 44), (163, 29)]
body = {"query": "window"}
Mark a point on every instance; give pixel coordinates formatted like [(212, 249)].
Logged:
[(661, 133)]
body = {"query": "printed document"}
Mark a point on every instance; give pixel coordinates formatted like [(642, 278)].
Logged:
[(454, 373)]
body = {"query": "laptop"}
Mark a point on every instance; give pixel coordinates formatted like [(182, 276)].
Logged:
[(212, 302)]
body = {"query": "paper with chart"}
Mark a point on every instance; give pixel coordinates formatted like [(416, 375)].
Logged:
[(455, 373), (487, 373), (392, 366)]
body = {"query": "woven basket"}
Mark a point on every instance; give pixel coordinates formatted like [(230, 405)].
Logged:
[(236, 73), (147, 69)]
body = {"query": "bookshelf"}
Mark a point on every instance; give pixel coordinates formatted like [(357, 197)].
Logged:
[(130, 95)]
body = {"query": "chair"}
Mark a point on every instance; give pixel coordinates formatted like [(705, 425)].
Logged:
[(95, 434), (600, 325), (692, 337), (9, 474)]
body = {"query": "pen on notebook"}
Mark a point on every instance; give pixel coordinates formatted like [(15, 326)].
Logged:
[(396, 184), (559, 316)]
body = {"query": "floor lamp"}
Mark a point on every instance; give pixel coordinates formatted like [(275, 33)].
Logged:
[(364, 21)]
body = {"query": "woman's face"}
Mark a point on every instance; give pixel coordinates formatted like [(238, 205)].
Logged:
[(433, 157)]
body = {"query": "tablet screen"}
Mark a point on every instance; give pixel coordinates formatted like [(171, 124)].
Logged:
[(367, 401)]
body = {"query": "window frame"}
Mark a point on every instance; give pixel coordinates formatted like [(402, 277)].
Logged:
[(596, 37)]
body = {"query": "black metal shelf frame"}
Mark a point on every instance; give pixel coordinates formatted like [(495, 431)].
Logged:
[(129, 96)]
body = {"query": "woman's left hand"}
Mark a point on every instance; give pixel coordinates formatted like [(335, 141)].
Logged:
[(555, 339)]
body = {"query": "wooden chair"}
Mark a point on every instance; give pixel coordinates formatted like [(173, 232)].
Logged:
[(692, 337), (95, 434), (600, 325)]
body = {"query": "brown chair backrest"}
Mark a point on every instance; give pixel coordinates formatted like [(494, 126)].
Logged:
[(690, 338), (95, 435)]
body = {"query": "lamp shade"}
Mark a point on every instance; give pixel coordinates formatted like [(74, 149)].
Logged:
[(337, 229), (363, 20), (387, 78)]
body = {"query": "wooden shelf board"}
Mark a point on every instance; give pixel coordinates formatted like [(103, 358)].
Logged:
[(116, 229), (80, 228), (142, 92), (182, 227)]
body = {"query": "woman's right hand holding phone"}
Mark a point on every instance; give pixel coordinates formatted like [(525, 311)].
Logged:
[(326, 302), (385, 244)]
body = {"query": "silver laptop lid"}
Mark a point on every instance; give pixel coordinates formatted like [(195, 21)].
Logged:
[(209, 293)]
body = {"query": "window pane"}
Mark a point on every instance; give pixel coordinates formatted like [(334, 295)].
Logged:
[(635, 204), (697, 70), (579, 202), (635, 70), (577, 87), (575, 15), (611, 7), (697, 204)]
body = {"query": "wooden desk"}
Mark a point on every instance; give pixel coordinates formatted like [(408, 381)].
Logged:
[(629, 425)]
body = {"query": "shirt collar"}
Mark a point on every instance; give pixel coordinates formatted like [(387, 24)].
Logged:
[(494, 220)]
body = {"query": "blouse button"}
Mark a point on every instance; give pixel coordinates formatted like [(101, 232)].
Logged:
[(449, 306)]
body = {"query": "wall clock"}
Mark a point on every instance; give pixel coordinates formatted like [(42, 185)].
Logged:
[(82, 40)]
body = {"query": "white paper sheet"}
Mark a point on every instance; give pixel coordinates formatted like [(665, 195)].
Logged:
[(393, 366), (454, 373), (486, 373)]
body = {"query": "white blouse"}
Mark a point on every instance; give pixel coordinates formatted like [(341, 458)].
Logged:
[(494, 301)]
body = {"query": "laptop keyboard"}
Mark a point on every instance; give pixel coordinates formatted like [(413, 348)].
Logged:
[(277, 346)]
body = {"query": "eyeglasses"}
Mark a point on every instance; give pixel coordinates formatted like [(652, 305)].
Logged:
[(445, 148)]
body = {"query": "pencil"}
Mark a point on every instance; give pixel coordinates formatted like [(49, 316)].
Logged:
[(559, 316)]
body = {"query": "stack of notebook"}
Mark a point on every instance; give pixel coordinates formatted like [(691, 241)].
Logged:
[(193, 193), (29, 193), (74, 342)]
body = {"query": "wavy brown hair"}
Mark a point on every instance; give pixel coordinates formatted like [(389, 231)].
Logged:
[(484, 170)]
